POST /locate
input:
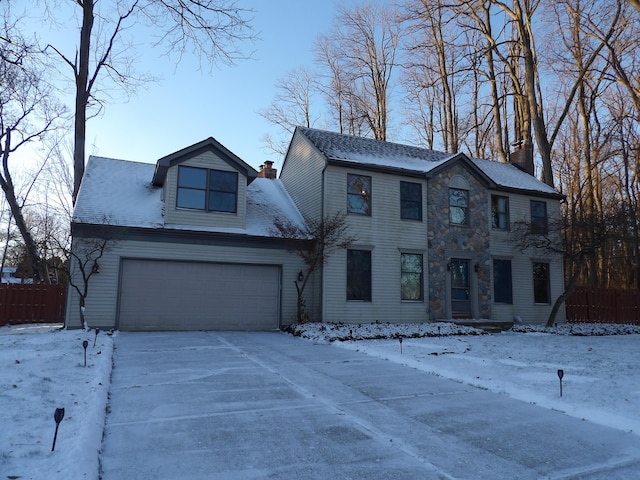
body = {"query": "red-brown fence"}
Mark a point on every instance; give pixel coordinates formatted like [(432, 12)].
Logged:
[(24, 303), (604, 305)]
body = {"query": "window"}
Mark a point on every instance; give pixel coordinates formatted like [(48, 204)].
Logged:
[(458, 206), (359, 275), (541, 293), (410, 201), (203, 189), (411, 276), (500, 212), (502, 289), (359, 194), (539, 217)]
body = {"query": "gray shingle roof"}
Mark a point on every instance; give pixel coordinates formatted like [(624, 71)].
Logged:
[(120, 193), (376, 154)]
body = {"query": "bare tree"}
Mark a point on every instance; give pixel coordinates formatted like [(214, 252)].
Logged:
[(83, 263), (314, 243), (291, 107), (360, 56), (27, 113), (213, 29)]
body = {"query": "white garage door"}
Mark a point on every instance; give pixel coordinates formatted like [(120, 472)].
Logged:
[(166, 295)]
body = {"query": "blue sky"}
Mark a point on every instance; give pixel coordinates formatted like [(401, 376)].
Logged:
[(188, 105)]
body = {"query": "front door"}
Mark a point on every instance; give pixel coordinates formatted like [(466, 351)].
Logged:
[(460, 290)]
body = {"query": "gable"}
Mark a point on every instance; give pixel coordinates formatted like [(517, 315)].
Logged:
[(211, 146)]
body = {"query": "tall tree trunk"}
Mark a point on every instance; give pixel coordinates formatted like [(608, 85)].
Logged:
[(82, 95)]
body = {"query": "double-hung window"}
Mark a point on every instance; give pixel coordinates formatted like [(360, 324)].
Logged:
[(359, 194), (541, 291), (410, 201), (411, 276), (502, 283), (500, 212), (359, 275), (209, 190), (539, 222), (458, 206)]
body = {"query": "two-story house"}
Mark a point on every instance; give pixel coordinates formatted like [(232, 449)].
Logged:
[(433, 231), (191, 244)]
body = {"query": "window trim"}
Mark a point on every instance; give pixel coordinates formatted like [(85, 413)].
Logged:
[(543, 228), (465, 208), (364, 195), (421, 273), (498, 213), (547, 280), (493, 279), (208, 190), (414, 203), (350, 271)]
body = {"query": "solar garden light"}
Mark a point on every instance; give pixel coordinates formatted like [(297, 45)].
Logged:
[(400, 339), (96, 337), (560, 375), (85, 344), (58, 415)]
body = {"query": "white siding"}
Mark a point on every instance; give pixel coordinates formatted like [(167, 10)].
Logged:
[(183, 216), (302, 176), (102, 299), (387, 236), (503, 246)]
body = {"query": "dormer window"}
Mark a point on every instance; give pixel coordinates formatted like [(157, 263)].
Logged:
[(209, 190)]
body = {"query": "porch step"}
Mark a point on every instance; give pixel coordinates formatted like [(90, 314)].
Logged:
[(488, 325)]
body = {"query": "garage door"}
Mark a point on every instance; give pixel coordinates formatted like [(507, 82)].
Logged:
[(165, 295)]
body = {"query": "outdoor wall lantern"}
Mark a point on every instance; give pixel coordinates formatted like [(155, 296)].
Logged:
[(96, 267), (476, 267), (300, 276), (448, 266)]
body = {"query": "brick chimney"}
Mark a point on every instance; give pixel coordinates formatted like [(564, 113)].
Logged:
[(522, 156), (267, 170)]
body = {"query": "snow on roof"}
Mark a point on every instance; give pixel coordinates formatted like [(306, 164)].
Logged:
[(119, 192), (376, 153), (510, 176), (336, 146)]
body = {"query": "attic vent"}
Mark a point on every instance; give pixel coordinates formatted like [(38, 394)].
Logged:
[(267, 170)]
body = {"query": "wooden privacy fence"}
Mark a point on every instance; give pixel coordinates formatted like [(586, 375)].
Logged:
[(604, 305), (24, 303)]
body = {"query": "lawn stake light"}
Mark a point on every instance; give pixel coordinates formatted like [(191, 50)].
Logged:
[(58, 415), (85, 344), (560, 375), (96, 337), (400, 339)]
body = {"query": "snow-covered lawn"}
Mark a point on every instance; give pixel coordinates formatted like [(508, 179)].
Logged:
[(43, 369)]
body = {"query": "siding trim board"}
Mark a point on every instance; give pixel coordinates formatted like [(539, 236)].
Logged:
[(185, 237)]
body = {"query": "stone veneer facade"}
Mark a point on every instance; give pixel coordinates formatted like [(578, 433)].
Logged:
[(447, 241)]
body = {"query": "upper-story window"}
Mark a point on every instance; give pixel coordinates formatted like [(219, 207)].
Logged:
[(539, 222), (359, 194), (458, 206), (410, 201), (500, 212), (209, 190)]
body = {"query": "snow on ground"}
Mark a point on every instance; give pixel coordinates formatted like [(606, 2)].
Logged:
[(43, 369)]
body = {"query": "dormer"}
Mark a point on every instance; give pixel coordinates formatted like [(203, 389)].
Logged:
[(204, 185)]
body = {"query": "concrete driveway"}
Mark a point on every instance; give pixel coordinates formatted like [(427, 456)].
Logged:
[(221, 405)]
